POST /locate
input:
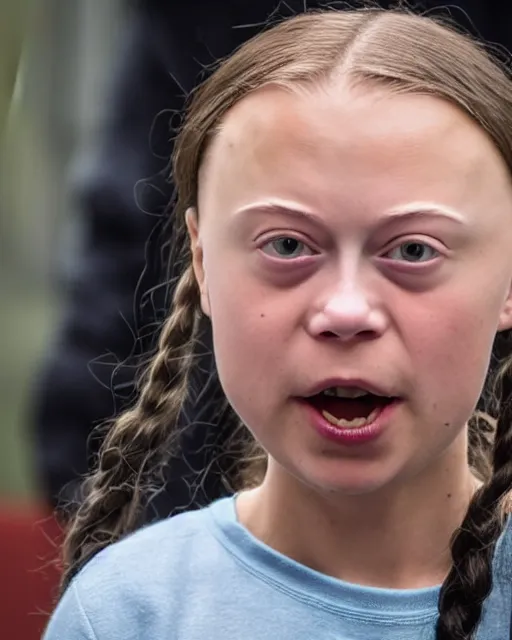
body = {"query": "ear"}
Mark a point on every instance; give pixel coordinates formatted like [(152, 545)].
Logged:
[(505, 321), (196, 249)]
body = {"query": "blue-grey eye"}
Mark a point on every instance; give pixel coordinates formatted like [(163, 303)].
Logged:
[(413, 251), (286, 247)]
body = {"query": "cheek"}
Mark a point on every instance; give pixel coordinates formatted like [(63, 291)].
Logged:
[(450, 343), (248, 334), (256, 327)]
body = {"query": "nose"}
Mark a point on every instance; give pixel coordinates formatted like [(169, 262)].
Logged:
[(346, 313)]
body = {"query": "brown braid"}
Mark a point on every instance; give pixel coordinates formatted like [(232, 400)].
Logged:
[(138, 441), (481, 438), (470, 579)]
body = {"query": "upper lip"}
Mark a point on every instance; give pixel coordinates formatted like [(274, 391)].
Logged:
[(358, 383)]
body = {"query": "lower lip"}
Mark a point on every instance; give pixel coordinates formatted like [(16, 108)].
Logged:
[(354, 436)]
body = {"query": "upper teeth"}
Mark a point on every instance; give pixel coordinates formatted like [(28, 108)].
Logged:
[(345, 392)]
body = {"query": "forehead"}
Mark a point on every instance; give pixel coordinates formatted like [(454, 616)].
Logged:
[(365, 148)]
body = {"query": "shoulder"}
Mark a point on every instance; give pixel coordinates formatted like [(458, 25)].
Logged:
[(150, 558), (136, 582), (158, 548)]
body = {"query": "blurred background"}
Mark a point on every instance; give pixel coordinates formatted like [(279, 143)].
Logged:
[(55, 58)]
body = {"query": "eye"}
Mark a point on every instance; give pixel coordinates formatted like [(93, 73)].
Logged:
[(286, 247), (413, 251)]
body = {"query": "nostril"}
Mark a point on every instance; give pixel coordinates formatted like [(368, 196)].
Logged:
[(362, 335), (368, 335)]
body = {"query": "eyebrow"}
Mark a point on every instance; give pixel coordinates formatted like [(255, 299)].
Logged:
[(418, 210), (410, 211), (287, 210)]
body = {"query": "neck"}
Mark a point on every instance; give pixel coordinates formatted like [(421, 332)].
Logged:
[(398, 537)]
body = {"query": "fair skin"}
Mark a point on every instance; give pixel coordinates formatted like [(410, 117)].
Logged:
[(371, 171)]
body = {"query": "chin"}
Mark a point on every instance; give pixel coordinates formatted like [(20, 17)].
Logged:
[(353, 478), (352, 487)]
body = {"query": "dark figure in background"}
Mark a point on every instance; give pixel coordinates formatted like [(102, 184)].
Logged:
[(119, 293)]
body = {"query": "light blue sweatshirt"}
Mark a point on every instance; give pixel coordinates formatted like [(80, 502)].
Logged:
[(202, 575)]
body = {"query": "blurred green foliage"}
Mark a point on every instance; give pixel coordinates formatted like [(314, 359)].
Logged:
[(14, 28), (24, 312), (54, 58)]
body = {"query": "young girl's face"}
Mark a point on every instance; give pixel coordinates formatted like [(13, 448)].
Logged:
[(354, 237)]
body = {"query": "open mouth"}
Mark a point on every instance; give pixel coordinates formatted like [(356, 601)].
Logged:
[(349, 407)]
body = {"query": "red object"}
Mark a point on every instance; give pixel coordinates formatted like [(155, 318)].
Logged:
[(29, 550)]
